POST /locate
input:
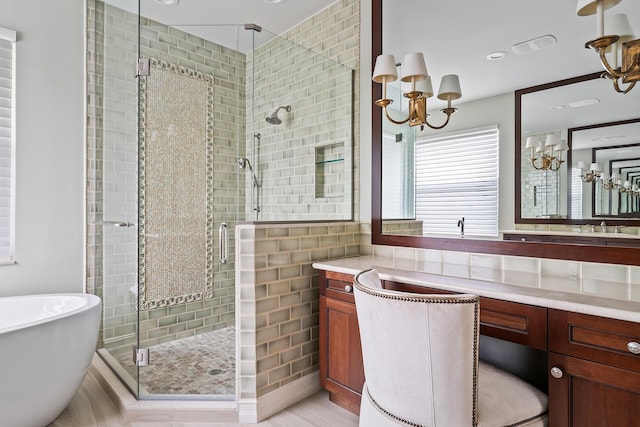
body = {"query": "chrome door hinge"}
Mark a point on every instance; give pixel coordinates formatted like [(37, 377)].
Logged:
[(140, 356), (142, 67)]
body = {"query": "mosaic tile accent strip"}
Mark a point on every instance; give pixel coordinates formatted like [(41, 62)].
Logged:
[(176, 185)]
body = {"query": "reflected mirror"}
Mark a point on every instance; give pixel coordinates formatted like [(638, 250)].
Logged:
[(596, 126)]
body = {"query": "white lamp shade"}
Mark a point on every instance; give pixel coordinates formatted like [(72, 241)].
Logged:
[(635, 187), (552, 140), (605, 176), (385, 68), (449, 88), (615, 176), (627, 184), (562, 146), (581, 165), (588, 7), (414, 67), (423, 86), (531, 142), (539, 148), (594, 167), (619, 25)]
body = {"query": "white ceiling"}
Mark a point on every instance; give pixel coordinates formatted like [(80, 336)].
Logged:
[(455, 35)]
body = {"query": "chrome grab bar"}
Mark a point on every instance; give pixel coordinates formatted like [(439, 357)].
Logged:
[(223, 242), (119, 224)]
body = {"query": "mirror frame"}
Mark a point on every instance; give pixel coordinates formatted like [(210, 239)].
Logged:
[(574, 252), (518, 156)]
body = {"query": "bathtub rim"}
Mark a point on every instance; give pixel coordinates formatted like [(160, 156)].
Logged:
[(91, 301)]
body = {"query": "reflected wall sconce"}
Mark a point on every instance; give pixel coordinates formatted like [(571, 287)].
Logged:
[(547, 154), (628, 73), (611, 183), (414, 74), (590, 175)]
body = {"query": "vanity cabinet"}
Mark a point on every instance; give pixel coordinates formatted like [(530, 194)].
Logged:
[(341, 368), (594, 371)]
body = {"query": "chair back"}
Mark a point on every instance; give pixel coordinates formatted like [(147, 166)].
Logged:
[(420, 353)]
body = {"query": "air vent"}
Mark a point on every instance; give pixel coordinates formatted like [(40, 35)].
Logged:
[(534, 45)]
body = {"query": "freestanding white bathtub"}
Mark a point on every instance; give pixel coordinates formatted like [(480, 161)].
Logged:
[(46, 346)]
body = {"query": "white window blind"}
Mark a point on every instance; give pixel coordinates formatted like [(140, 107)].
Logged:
[(7, 144), (457, 176), (576, 194)]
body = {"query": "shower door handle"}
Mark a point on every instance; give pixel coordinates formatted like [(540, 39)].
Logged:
[(223, 242), (119, 224)]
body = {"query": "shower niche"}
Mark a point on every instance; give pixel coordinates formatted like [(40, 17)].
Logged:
[(330, 173)]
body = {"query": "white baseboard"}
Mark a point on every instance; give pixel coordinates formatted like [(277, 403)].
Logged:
[(256, 410)]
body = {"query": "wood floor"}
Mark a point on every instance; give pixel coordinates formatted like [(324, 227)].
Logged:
[(92, 407)]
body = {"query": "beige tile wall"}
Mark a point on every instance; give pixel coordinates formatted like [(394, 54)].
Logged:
[(278, 298)]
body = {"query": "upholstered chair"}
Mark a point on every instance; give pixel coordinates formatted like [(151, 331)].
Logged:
[(421, 364)]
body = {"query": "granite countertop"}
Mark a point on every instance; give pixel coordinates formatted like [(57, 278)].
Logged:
[(526, 288)]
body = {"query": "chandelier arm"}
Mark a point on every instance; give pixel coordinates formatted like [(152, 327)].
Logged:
[(603, 59), (386, 113), (448, 112), (616, 86)]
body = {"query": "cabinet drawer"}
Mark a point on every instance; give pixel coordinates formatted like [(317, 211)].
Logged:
[(595, 338), (511, 321), (337, 285)]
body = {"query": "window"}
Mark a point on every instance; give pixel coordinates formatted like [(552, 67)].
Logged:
[(576, 194), (7, 144), (457, 176)]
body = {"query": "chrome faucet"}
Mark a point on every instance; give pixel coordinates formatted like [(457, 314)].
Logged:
[(618, 228), (603, 227), (461, 225)]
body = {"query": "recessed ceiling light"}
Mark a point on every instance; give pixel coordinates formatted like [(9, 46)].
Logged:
[(533, 45), (168, 2), (556, 107), (274, 1), (584, 102), (497, 55)]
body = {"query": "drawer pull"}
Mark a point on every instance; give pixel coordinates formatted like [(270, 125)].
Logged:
[(633, 347), (556, 372), (348, 288)]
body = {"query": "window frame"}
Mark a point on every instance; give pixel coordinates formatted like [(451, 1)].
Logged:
[(9, 258)]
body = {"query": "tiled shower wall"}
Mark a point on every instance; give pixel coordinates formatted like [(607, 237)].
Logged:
[(112, 170), (278, 299), (322, 88)]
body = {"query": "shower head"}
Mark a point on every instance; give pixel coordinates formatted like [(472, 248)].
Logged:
[(274, 119)]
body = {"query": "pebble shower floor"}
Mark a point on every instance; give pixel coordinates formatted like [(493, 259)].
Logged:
[(201, 364)]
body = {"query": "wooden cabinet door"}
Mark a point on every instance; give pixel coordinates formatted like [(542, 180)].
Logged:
[(341, 368), (590, 394)]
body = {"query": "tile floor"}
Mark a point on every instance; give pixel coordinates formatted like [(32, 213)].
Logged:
[(201, 364)]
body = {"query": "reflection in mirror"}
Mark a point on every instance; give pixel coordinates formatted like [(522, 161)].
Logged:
[(615, 150), (586, 113), (489, 99)]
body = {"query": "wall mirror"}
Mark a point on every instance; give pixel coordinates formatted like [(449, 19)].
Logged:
[(601, 128), (387, 29)]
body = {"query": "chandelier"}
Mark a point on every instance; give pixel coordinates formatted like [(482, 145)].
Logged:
[(547, 154), (414, 74), (589, 175), (628, 73)]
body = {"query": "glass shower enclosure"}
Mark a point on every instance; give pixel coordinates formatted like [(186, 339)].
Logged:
[(191, 129)]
